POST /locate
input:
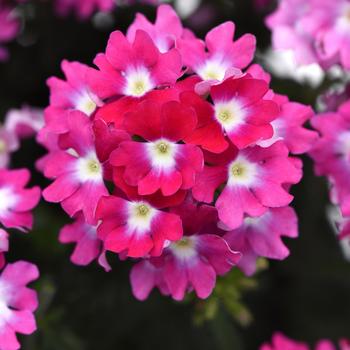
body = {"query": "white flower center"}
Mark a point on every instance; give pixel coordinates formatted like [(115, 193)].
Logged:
[(185, 248), (241, 172), (140, 217), (162, 154), (212, 69), (85, 102), (138, 82), (8, 199), (89, 168), (229, 114)]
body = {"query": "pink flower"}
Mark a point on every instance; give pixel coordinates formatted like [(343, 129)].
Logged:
[(133, 69), (16, 200), (333, 18), (161, 162), (254, 180), (262, 237), (191, 262), (83, 8), (325, 345), (4, 247), (280, 342), (17, 303), (331, 153), (288, 126), (24, 122), (241, 111), (316, 31), (78, 172), (88, 246), (9, 27), (135, 227), (164, 32), (213, 59), (145, 276), (72, 94)]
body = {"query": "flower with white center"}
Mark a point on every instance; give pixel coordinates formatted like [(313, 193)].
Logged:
[(138, 82), (241, 172), (140, 217), (212, 69), (89, 168), (135, 228), (185, 248), (229, 114), (162, 154), (86, 102)]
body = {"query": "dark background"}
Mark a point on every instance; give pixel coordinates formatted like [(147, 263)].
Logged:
[(305, 296)]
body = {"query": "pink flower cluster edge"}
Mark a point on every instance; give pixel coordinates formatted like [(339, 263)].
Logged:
[(17, 301), (317, 31), (281, 342)]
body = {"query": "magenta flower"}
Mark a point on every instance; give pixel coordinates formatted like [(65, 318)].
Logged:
[(255, 180), (17, 303), (262, 237), (166, 30), (88, 245), (24, 122), (280, 342), (331, 153), (315, 31), (133, 69), (288, 126), (72, 94), (135, 227), (16, 200), (78, 172), (219, 54), (192, 262), (161, 162), (241, 111)]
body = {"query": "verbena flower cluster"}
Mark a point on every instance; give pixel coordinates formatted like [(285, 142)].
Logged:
[(17, 301), (317, 31), (281, 342), (174, 154)]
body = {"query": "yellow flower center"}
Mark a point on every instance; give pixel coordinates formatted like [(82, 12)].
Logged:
[(162, 147), (183, 243), (93, 166), (139, 88), (237, 170), (142, 210)]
